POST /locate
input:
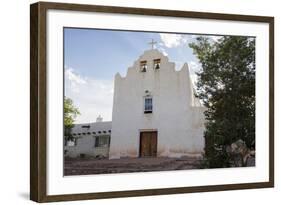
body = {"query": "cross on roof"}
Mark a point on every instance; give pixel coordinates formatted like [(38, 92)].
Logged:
[(152, 43)]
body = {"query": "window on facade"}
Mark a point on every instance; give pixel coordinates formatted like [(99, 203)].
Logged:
[(156, 64), (148, 105), (143, 66), (102, 141)]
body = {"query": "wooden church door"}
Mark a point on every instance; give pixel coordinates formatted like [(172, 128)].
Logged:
[(148, 144)]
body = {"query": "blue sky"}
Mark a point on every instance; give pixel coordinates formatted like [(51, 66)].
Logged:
[(92, 57)]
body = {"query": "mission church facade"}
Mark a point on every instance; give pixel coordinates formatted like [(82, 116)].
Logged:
[(155, 114)]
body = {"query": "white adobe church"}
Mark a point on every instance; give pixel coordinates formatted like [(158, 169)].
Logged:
[(155, 114)]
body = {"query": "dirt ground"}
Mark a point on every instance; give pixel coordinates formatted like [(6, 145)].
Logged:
[(105, 166)]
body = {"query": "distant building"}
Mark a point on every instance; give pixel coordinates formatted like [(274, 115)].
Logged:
[(89, 139), (155, 113)]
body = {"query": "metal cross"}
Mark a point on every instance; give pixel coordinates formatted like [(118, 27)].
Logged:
[(152, 43)]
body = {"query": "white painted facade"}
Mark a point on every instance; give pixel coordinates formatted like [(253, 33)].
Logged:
[(85, 142), (177, 115)]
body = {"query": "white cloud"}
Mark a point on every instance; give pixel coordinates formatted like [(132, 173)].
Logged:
[(193, 68), (93, 97), (172, 40), (215, 38), (162, 50), (74, 79)]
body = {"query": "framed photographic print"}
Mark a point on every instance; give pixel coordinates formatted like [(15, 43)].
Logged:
[(135, 102)]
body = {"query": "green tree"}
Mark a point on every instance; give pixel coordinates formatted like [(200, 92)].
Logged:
[(70, 114), (226, 86)]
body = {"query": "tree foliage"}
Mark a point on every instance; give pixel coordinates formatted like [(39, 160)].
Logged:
[(70, 114), (226, 86)]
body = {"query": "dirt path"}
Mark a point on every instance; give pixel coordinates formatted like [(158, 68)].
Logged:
[(105, 166)]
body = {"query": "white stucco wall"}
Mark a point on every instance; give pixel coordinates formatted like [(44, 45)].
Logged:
[(179, 123), (85, 135), (86, 145)]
